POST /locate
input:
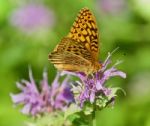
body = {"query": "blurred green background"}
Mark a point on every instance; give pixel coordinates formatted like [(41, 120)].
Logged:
[(30, 29)]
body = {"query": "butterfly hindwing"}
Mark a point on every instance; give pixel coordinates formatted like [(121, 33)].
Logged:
[(68, 61), (69, 47), (71, 56)]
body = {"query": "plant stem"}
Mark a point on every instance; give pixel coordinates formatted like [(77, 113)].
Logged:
[(92, 120)]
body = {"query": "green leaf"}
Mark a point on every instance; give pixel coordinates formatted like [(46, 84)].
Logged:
[(73, 117), (88, 108), (71, 110), (114, 91), (48, 120)]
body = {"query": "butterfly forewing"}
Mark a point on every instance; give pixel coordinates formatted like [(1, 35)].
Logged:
[(85, 30)]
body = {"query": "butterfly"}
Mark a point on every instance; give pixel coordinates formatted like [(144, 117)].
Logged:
[(78, 51)]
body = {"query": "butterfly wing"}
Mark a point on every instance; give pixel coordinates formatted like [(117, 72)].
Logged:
[(71, 55), (79, 50), (85, 30)]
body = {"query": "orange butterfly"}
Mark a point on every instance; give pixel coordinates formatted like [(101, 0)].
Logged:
[(78, 51)]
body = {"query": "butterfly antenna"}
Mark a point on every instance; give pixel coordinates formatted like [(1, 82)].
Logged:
[(107, 60), (110, 54), (30, 69), (114, 50), (118, 61)]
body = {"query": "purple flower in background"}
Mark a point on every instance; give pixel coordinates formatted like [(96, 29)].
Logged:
[(46, 99), (112, 6), (91, 88), (32, 17)]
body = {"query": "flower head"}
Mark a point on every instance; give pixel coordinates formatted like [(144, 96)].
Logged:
[(47, 99), (32, 17), (93, 89), (112, 6)]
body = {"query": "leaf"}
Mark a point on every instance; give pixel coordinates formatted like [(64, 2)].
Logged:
[(114, 91), (48, 120), (71, 110), (88, 108)]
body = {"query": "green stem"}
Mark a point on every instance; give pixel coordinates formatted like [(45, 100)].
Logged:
[(92, 120)]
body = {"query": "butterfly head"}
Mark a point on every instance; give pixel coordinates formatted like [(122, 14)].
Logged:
[(97, 66), (94, 68)]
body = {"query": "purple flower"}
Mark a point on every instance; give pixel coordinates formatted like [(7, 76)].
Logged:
[(112, 6), (32, 17), (91, 88), (46, 99)]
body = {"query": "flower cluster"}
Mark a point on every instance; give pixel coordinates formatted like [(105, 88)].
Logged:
[(66, 104), (93, 89), (47, 99)]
